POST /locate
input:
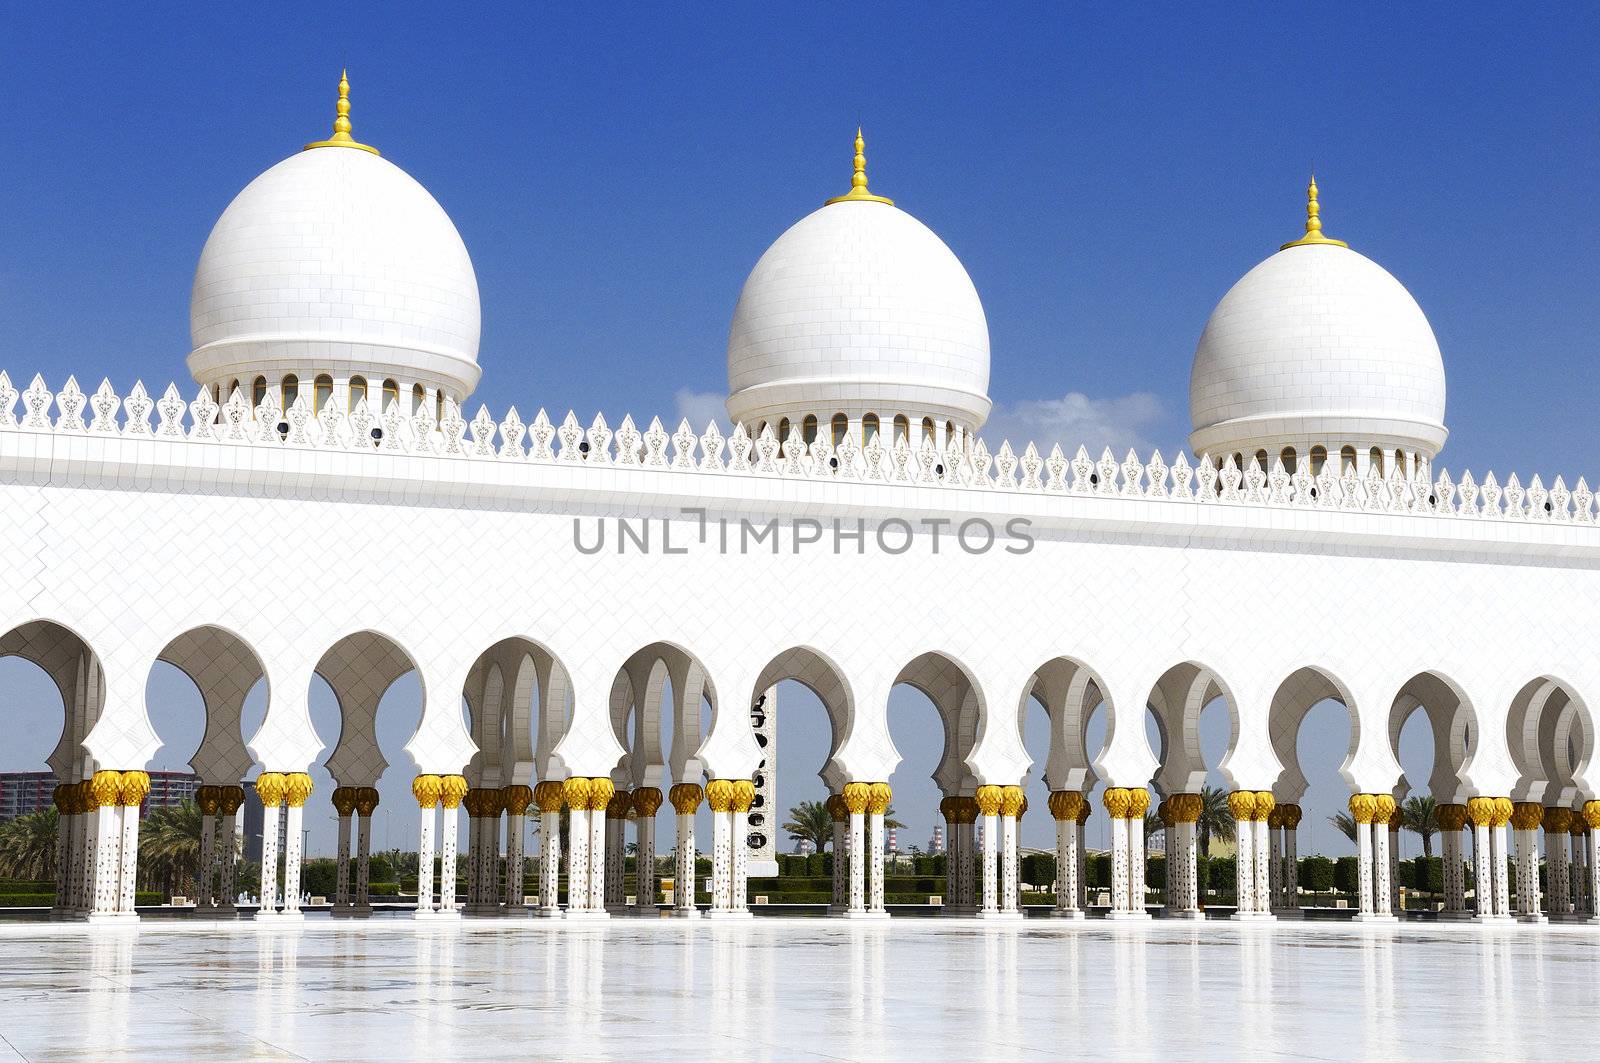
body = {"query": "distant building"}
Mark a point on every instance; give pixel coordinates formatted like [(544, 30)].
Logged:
[(936, 843), (22, 792)]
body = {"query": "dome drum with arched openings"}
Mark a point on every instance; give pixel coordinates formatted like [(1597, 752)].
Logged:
[(336, 273), (1318, 349), (859, 310)]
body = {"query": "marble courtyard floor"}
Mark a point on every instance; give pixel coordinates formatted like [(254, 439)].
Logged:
[(775, 988)]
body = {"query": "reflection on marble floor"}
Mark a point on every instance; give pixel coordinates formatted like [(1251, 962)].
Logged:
[(791, 989)]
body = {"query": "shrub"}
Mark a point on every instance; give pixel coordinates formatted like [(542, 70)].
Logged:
[(1097, 871), (1316, 874), (1224, 876), (1038, 869), (1155, 872), (1347, 874)]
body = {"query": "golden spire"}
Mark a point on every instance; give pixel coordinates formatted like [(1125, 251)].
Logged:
[(341, 124), (858, 181), (1313, 222)]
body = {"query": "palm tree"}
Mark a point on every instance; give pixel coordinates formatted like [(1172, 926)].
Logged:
[(810, 821), (1346, 824), (1417, 815), (1216, 818), (169, 845), (28, 846), (1152, 825)]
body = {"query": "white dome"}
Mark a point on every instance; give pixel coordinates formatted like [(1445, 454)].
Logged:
[(1317, 345), (859, 308), (336, 261)]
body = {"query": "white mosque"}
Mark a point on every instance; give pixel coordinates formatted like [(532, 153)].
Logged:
[(322, 501)]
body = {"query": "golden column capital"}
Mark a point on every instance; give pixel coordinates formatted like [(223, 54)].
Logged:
[(990, 800), (719, 794), (600, 791), (452, 788), (620, 805), (1265, 803), (1116, 801), (1383, 808), (878, 797), (270, 787), (1064, 804), (549, 795), (426, 789), (1557, 820), (344, 800), (1503, 808), (1527, 815), (1591, 814), (1291, 816), (1011, 801), (1363, 807), (1481, 811), (229, 799), (1242, 803), (836, 807), (744, 794), (296, 788), (206, 799), (133, 787), (1085, 810), (857, 796), (366, 800), (517, 798), (646, 801), (575, 792), (1450, 817), (685, 797), (1138, 802)]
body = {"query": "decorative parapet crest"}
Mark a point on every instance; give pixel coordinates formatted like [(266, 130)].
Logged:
[(234, 423)]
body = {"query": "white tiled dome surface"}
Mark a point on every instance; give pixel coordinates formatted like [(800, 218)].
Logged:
[(860, 292), (1314, 332), (336, 251)]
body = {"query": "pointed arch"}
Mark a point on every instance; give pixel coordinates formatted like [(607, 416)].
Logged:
[(224, 668), (1454, 725), (1177, 701), (360, 668), (1070, 691), (1304, 688)]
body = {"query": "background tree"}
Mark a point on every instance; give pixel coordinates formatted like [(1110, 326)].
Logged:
[(810, 821), (169, 846), (1416, 815), (1345, 823), (1216, 819), (28, 846)]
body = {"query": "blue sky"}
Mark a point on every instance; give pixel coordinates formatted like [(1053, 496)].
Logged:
[(616, 171)]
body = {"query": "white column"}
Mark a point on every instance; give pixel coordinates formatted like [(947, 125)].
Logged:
[(645, 803), (269, 851), (517, 799), (341, 871), (1591, 867), (1455, 893), (1121, 877), (1064, 806), (107, 854), (875, 895), (128, 871), (740, 821), (291, 859), (841, 863), (1188, 868), (1083, 861), (1364, 866), (1010, 871), (228, 849), (452, 789), (684, 803), (1527, 841), (967, 869), (1555, 855), (991, 870), (362, 901), (858, 862), (1244, 877), (550, 853), (1394, 869), (1137, 858), (577, 860), (1380, 868), (616, 862), (1291, 864), (425, 904), (1483, 854), (1498, 857), (206, 886), (597, 856)]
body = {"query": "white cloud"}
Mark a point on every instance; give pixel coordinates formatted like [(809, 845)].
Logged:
[(1076, 419), (701, 408)]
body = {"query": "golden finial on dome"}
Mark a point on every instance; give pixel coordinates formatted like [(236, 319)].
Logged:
[(341, 124), (858, 181), (1313, 221)]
